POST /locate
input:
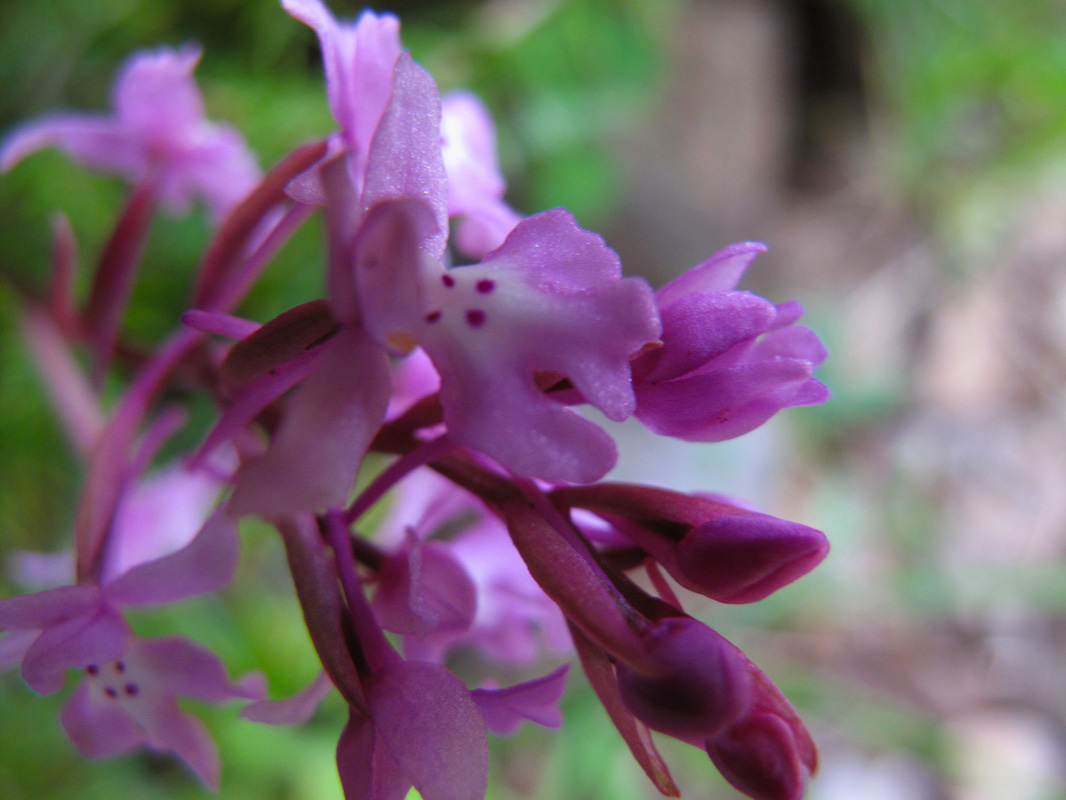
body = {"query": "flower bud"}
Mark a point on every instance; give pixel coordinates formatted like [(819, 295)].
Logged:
[(710, 546), (702, 685), (759, 756)]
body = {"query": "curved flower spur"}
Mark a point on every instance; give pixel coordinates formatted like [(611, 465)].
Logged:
[(501, 543)]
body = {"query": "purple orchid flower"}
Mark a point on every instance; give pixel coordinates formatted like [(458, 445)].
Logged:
[(359, 58), (729, 361), (158, 132), (127, 699), (130, 702)]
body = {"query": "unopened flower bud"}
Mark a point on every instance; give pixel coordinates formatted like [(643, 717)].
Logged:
[(710, 546), (759, 757), (701, 688)]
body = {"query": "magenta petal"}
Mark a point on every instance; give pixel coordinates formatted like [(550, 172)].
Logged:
[(77, 642), (47, 608), (294, 710), (367, 769), (98, 728), (719, 273), (433, 729), (170, 728), (405, 158), (538, 701), (206, 564), (721, 404), (314, 457), (702, 326)]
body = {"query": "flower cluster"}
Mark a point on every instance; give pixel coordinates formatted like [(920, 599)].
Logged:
[(502, 538)]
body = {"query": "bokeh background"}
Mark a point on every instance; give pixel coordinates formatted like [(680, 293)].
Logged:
[(906, 162)]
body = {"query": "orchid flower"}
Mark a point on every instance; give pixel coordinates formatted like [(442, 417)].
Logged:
[(158, 132), (729, 360)]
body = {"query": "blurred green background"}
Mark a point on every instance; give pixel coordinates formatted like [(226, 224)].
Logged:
[(906, 163)]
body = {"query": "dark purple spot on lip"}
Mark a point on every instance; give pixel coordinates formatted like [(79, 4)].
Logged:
[(120, 667), (111, 692), (485, 286), (447, 280), (92, 669), (432, 316), (475, 318), (131, 689)]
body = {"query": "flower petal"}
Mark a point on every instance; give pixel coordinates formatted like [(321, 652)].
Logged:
[(405, 157), (170, 728), (206, 564), (99, 729), (367, 769), (430, 724), (47, 608), (78, 642), (538, 701), (294, 710), (328, 426), (178, 667), (719, 273)]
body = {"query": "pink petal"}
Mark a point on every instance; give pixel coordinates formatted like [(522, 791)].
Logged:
[(47, 608), (722, 404), (328, 426), (94, 140), (206, 564), (294, 710), (719, 273), (13, 647), (405, 157), (431, 726), (700, 327), (155, 93), (170, 728), (77, 642), (99, 729), (538, 701), (177, 667)]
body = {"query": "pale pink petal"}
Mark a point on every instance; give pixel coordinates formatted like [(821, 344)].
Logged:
[(98, 727), (719, 273), (294, 710), (328, 426), (433, 729), (405, 157), (206, 564)]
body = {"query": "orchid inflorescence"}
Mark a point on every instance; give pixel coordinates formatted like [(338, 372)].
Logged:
[(501, 536)]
